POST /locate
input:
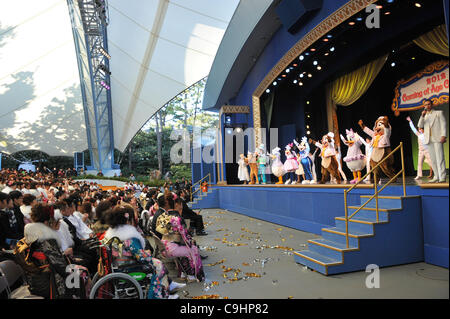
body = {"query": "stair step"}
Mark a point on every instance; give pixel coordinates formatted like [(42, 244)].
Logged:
[(384, 202), (373, 208), (371, 219), (317, 258), (332, 244), (352, 234)]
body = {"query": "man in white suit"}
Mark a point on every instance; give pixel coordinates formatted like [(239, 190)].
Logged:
[(435, 135)]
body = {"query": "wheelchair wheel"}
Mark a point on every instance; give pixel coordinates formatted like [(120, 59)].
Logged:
[(116, 286), (95, 278)]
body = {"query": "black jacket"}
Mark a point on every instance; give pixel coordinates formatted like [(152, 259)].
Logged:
[(6, 232)]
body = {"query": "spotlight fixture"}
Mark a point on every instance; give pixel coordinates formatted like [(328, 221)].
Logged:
[(308, 132), (288, 70), (315, 63), (105, 85), (326, 54), (306, 53), (295, 64), (104, 68), (284, 75), (329, 36), (359, 19), (274, 83), (393, 64), (302, 75), (325, 40), (309, 75), (307, 102), (295, 81), (312, 49), (308, 116), (332, 49), (418, 5), (268, 91), (300, 83), (319, 67), (301, 58), (307, 126), (351, 23), (387, 13), (389, 1), (238, 130), (103, 51), (413, 58), (379, 7)]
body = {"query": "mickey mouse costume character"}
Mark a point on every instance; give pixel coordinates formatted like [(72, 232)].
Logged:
[(305, 160), (381, 145), (329, 162)]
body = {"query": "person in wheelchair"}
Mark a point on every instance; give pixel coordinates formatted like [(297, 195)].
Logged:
[(131, 250), (39, 254), (178, 242)]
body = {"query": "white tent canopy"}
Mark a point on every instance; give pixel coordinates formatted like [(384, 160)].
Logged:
[(158, 48)]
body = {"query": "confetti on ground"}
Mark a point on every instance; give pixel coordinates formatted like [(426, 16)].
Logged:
[(245, 264), (252, 274), (206, 297), (217, 263)]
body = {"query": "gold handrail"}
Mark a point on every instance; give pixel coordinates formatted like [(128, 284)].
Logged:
[(209, 183), (377, 191)]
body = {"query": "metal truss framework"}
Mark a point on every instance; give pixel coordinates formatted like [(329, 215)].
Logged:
[(89, 20)]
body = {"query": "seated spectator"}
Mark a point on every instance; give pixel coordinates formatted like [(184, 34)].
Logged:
[(11, 227), (82, 230), (17, 198), (100, 226), (133, 248), (27, 202), (179, 243), (48, 280), (196, 223)]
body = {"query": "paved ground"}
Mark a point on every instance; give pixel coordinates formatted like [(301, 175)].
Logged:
[(252, 259)]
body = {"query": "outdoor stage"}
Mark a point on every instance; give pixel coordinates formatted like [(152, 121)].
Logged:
[(313, 207)]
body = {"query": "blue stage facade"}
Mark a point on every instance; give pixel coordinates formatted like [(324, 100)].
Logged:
[(315, 207)]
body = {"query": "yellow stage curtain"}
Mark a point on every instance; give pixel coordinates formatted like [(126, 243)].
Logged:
[(347, 89), (434, 41)]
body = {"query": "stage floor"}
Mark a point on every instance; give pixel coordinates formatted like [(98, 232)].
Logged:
[(409, 180)]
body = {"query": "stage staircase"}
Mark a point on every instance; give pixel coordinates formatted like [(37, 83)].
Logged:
[(198, 196), (382, 230)]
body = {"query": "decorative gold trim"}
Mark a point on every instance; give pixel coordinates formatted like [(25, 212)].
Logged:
[(343, 13), (342, 250), (235, 109), (379, 209)]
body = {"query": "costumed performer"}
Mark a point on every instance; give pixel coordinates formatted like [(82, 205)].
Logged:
[(355, 159), (305, 161), (262, 163), (329, 163), (253, 167), (423, 150), (243, 170), (277, 166), (290, 165), (381, 147)]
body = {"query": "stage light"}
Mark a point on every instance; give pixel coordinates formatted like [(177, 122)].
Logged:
[(301, 58), (389, 1), (274, 83), (359, 19), (329, 36), (379, 7), (309, 75), (268, 91), (387, 13), (105, 85), (238, 130), (326, 54), (306, 53), (308, 132), (294, 64), (103, 51), (308, 116), (393, 64), (295, 81), (413, 58), (312, 49), (325, 40), (302, 75), (307, 126), (300, 83), (332, 49), (351, 23), (284, 75), (307, 102), (229, 131), (287, 70), (319, 67), (418, 5), (315, 63)]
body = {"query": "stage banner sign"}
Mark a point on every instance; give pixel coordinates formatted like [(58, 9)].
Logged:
[(431, 83)]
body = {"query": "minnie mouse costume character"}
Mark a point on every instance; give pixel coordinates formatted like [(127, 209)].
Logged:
[(355, 159), (290, 165)]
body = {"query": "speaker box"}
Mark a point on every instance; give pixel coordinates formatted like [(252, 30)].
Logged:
[(294, 13)]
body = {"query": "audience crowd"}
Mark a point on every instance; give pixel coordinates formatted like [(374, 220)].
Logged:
[(60, 221)]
